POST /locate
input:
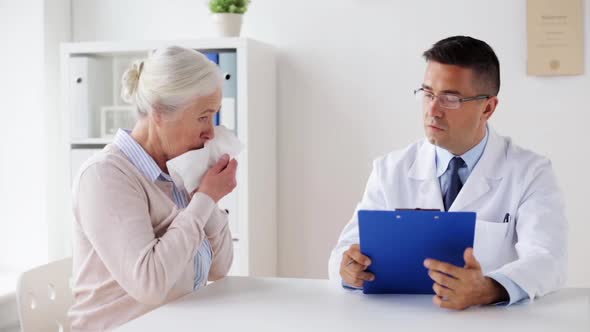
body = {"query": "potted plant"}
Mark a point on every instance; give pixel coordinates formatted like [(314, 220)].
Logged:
[(227, 16)]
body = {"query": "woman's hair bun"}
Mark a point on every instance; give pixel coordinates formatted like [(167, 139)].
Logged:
[(130, 81)]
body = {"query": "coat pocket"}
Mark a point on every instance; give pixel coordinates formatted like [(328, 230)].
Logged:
[(491, 243)]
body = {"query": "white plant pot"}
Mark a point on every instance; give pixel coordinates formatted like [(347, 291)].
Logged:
[(227, 25)]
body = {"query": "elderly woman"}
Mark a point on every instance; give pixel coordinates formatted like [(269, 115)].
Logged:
[(140, 241)]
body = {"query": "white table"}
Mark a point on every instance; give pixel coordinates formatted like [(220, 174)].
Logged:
[(273, 304)]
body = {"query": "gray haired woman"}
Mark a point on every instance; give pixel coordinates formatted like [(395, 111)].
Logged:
[(140, 241)]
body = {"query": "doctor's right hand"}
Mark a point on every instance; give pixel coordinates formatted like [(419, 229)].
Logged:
[(220, 179), (353, 266)]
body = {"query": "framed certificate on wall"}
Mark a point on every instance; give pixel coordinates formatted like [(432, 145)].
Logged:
[(555, 37)]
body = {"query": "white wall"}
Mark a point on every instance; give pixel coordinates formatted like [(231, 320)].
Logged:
[(30, 32), (23, 239), (57, 29), (346, 74)]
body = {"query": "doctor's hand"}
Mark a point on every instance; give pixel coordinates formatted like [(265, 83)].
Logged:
[(220, 179), (353, 266), (461, 288)]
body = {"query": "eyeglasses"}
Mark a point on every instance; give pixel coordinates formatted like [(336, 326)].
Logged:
[(448, 101)]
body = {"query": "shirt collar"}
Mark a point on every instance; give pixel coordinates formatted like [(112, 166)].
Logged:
[(471, 157), (139, 157)]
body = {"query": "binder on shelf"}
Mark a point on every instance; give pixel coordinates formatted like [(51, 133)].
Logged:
[(89, 88), (228, 113), (78, 84), (229, 68), (214, 57)]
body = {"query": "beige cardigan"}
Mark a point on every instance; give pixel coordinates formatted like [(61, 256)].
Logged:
[(133, 248)]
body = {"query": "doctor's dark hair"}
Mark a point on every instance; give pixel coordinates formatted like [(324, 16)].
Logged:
[(469, 53)]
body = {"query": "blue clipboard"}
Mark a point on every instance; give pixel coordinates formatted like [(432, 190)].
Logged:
[(398, 242)]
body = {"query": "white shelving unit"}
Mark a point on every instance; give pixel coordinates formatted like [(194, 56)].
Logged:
[(253, 225)]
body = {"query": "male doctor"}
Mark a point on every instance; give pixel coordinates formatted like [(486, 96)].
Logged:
[(520, 246)]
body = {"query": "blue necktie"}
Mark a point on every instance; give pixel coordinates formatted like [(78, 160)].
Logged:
[(455, 185)]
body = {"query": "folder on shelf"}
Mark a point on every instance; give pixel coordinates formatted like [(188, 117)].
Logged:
[(229, 69), (228, 113), (227, 62), (214, 57), (79, 108), (397, 242), (88, 87)]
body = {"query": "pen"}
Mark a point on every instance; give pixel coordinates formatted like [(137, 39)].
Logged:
[(507, 218)]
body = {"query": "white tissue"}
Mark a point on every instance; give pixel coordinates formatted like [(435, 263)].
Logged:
[(188, 169)]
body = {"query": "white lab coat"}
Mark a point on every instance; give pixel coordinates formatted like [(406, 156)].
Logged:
[(531, 249)]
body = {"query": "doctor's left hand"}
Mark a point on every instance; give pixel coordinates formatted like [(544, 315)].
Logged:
[(460, 288)]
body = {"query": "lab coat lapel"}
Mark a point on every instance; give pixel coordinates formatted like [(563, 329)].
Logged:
[(423, 174), (489, 170)]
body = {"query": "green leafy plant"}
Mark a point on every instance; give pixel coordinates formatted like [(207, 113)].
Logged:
[(229, 6)]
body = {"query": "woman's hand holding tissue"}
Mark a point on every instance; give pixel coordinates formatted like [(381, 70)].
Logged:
[(188, 169), (220, 179)]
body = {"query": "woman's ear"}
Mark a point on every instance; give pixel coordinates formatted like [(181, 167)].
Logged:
[(163, 116)]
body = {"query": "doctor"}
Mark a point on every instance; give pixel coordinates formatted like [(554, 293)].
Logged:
[(520, 246)]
